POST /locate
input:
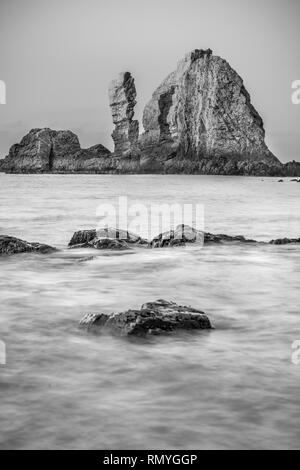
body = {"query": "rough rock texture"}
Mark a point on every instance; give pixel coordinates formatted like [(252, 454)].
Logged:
[(106, 238), (11, 245), (153, 318), (83, 236), (184, 234), (111, 238), (285, 241), (291, 169), (122, 99), (201, 120), (49, 151), (179, 237), (209, 238), (104, 244)]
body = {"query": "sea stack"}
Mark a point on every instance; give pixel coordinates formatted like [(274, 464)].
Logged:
[(201, 120), (122, 99)]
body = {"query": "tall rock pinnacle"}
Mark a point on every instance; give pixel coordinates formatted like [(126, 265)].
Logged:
[(122, 99), (200, 119)]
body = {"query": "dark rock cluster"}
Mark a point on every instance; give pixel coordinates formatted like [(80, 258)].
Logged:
[(106, 238), (12, 245), (184, 234), (181, 236), (116, 239)]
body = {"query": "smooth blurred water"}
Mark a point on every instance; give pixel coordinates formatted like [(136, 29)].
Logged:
[(234, 387)]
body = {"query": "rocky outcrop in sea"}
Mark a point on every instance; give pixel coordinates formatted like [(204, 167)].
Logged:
[(117, 239), (11, 246), (200, 120), (49, 151), (182, 235), (106, 238), (154, 318)]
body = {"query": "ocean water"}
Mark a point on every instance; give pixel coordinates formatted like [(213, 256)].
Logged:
[(233, 387)]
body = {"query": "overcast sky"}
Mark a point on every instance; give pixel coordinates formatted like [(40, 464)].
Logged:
[(58, 57)]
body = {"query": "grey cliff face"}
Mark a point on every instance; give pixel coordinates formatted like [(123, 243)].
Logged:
[(201, 115), (122, 99)]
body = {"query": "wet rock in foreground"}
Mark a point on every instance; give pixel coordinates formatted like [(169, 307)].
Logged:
[(11, 245), (154, 318), (106, 239)]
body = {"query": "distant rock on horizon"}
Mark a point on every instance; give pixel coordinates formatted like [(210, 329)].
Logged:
[(200, 120), (49, 151)]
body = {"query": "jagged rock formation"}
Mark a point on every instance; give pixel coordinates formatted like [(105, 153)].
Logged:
[(153, 318), (11, 245), (83, 236), (49, 151), (122, 99), (200, 120)]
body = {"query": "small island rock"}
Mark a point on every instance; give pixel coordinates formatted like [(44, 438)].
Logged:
[(153, 318)]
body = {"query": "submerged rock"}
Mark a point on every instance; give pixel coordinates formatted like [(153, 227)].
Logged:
[(285, 241), (226, 239), (184, 234), (153, 318), (11, 245), (106, 239)]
